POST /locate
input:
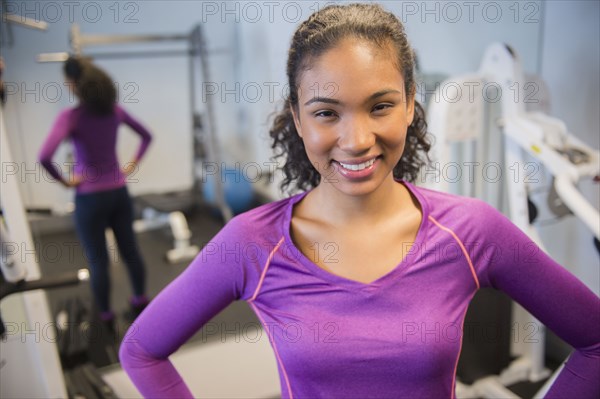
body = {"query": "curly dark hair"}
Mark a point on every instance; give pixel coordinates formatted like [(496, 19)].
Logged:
[(319, 33), (94, 87)]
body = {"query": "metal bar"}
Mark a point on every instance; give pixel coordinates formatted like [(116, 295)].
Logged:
[(52, 57), (98, 40), (214, 150), (27, 22), (66, 279), (60, 57), (79, 40), (63, 56), (75, 39)]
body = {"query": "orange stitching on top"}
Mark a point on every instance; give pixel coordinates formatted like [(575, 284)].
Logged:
[(462, 247), (267, 264)]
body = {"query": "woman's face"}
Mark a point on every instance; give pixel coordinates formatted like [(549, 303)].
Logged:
[(352, 116)]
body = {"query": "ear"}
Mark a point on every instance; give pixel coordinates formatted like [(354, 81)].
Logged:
[(296, 120)]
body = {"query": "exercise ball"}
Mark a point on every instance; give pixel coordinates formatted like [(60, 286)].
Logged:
[(236, 186)]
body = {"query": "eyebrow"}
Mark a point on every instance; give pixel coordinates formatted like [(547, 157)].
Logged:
[(329, 100)]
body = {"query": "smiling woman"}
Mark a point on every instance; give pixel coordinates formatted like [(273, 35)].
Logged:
[(358, 132), (354, 138), (373, 274), (374, 35)]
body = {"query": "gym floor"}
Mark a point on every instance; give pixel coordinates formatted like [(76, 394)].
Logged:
[(59, 252)]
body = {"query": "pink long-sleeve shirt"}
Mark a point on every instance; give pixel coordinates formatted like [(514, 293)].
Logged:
[(397, 337)]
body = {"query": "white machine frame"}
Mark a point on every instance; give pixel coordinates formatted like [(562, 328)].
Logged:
[(30, 362), (29, 368), (547, 140)]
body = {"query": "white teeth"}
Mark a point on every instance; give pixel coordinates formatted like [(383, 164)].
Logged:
[(360, 166)]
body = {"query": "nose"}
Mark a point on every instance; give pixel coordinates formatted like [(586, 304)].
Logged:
[(357, 136)]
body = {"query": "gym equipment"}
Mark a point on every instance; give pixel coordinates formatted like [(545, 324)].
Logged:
[(467, 117), (163, 210), (9, 288), (28, 350), (237, 189), (86, 382), (30, 367), (21, 20)]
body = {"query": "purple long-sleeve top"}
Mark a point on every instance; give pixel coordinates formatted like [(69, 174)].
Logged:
[(397, 337), (95, 141)]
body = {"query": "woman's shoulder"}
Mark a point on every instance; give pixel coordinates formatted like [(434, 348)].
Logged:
[(68, 112), (443, 205), (120, 112), (64, 119), (471, 220), (264, 220)]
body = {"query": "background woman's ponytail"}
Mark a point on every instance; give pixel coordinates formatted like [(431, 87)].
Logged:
[(94, 87)]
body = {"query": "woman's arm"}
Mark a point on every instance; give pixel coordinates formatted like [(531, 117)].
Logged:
[(211, 282), (140, 130), (59, 131), (555, 297)]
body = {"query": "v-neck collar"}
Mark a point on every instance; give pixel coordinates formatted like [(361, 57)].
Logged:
[(354, 284)]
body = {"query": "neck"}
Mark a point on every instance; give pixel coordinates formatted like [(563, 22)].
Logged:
[(380, 204)]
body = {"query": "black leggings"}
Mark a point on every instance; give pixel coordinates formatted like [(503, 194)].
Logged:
[(94, 212)]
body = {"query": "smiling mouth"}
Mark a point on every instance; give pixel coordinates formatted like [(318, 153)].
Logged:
[(360, 166), (357, 167)]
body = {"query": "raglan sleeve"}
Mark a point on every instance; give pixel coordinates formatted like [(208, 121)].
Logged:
[(521, 269), (213, 280)]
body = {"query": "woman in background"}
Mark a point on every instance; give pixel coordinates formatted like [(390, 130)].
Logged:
[(102, 199)]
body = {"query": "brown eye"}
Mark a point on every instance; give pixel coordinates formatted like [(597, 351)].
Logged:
[(325, 114), (382, 107)]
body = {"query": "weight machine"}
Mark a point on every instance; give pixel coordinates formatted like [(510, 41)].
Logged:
[(459, 115), (29, 366)]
